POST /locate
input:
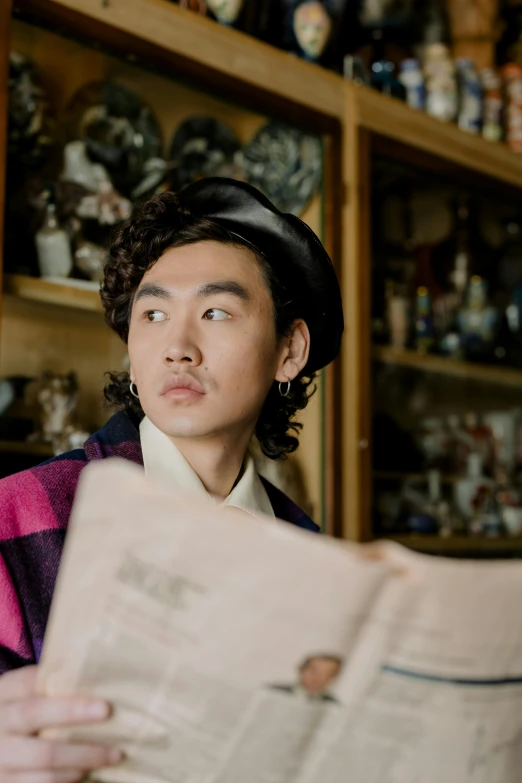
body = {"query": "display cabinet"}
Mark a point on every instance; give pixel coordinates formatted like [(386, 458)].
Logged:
[(410, 376), (180, 67), (431, 371)]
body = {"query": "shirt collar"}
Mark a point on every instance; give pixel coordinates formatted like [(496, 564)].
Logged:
[(164, 461)]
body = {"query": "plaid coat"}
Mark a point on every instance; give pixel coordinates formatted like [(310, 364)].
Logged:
[(35, 506)]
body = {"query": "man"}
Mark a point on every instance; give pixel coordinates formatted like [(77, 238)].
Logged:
[(316, 674), (228, 308)]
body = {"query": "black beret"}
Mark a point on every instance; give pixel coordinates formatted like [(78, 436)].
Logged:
[(288, 245)]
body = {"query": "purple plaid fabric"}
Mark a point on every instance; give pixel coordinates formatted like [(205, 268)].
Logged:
[(35, 506)]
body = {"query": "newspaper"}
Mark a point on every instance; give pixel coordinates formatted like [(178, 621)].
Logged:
[(239, 650)]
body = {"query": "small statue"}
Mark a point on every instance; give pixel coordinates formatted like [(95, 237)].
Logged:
[(101, 201), (56, 398), (312, 28)]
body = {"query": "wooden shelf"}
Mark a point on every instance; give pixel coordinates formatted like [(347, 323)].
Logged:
[(460, 545), (22, 447), (395, 120), (201, 46), (391, 475), (505, 376), (80, 294)]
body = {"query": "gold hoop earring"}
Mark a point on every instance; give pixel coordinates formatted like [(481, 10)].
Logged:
[(134, 393), (287, 392)]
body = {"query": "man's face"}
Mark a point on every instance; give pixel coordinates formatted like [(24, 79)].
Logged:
[(317, 674), (202, 342)]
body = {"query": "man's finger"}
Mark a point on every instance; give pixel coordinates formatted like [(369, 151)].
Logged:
[(18, 684), (32, 753), (27, 716)]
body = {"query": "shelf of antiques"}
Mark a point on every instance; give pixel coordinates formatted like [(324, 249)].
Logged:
[(108, 104), (506, 376), (446, 360)]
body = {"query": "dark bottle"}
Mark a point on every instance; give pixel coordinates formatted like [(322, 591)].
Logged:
[(385, 81)]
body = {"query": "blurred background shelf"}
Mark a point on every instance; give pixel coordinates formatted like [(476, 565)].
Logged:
[(444, 141), (460, 545), (393, 475), (505, 376), (81, 294)]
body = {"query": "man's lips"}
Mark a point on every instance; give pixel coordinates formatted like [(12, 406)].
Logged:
[(179, 386)]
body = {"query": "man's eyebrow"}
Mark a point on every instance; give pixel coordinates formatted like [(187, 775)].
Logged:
[(154, 290), (223, 287)]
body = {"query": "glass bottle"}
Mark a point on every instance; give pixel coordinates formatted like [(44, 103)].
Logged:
[(423, 321), (53, 246), (512, 74), (412, 80), (384, 80), (477, 321), (470, 96), (492, 126)]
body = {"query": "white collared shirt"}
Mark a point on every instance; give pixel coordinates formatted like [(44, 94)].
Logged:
[(164, 461)]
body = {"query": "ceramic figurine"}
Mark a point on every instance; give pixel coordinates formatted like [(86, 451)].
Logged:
[(106, 206), (312, 27), (56, 399), (225, 11), (119, 130), (477, 320), (79, 169), (202, 147), (90, 259), (285, 164), (398, 321)]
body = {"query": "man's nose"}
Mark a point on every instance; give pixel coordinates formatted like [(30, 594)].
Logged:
[(182, 348)]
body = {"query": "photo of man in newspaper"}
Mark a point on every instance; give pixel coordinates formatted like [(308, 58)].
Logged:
[(316, 674)]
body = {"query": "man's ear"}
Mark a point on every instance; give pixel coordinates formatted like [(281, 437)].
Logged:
[(295, 352)]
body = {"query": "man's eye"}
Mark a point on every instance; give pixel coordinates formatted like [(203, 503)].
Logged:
[(155, 315), (214, 314)]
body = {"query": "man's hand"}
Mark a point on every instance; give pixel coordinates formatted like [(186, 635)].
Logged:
[(26, 758)]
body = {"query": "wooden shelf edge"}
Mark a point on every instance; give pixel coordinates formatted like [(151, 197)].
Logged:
[(65, 295), (393, 119), (505, 376), (458, 544), (222, 49)]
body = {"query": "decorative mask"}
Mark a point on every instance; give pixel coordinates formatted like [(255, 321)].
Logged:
[(225, 11), (312, 27)]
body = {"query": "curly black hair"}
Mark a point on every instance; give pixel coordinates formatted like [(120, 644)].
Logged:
[(156, 226)]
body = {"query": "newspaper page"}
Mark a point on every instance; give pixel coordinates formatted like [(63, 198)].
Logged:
[(435, 679), (218, 638), (239, 650)]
